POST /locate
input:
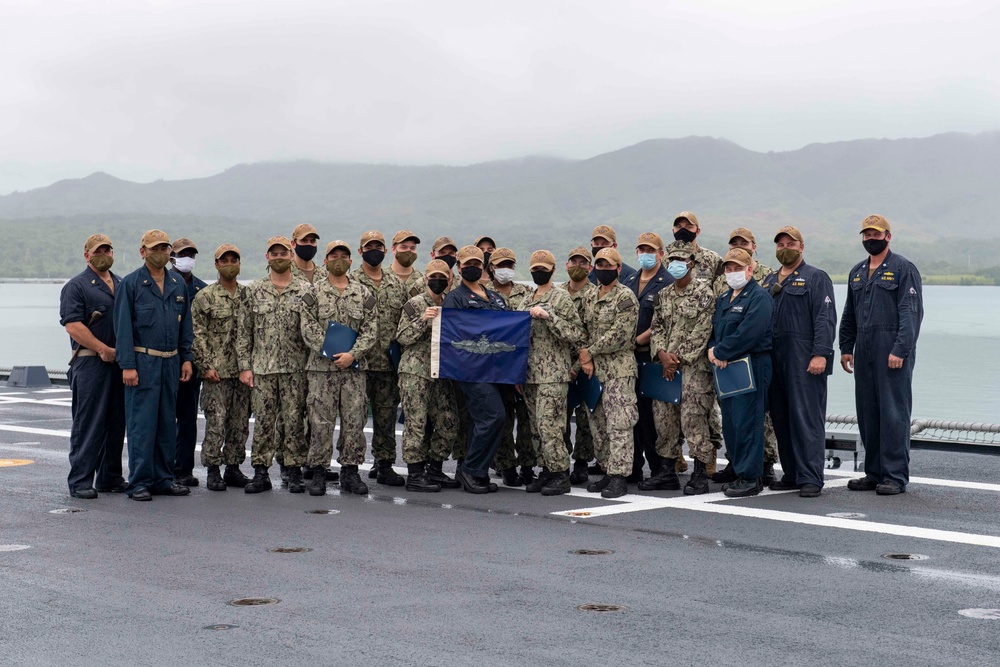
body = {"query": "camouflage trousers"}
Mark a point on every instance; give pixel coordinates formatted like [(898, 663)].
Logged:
[(431, 421), (583, 446), (331, 394), (226, 404), (523, 451), (612, 421), (692, 417), (547, 410), (279, 396), (383, 396)]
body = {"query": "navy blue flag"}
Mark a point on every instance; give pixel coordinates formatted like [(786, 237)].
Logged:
[(481, 345)]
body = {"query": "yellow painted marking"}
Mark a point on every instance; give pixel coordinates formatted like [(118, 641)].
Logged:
[(10, 463)]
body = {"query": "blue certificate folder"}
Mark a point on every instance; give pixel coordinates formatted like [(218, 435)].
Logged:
[(735, 379), (653, 385), (339, 339), (584, 390)]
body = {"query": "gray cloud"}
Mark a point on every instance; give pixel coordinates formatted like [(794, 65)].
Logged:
[(149, 90)]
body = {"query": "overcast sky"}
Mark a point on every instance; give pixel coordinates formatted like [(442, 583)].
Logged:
[(176, 89)]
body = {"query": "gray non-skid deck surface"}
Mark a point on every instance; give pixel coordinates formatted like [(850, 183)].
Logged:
[(430, 579)]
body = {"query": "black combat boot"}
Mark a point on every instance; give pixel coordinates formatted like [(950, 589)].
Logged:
[(698, 483), (579, 474), (436, 475), (261, 481), (743, 488), (665, 479), (600, 484), (595, 469), (527, 475), (726, 475), (235, 477), (317, 481), (284, 471), (635, 477), (295, 483), (510, 477), (471, 483), (350, 481), (535, 485), (768, 477), (416, 478), (373, 473), (214, 481), (386, 475), (557, 484), (307, 473), (616, 488)]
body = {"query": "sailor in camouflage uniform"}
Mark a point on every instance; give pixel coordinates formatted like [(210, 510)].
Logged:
[(584, 293), (427, 403), (272, 358), (524, 448), (404, 254), (336, 386), (682, 325), (742, 237), (556, 333), (216, 313), (611, 322), (305, 242), (382, 383)]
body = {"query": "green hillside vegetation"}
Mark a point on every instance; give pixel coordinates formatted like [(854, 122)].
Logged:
[(940, 193)]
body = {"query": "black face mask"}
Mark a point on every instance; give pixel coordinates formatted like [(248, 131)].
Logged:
[(606, 276), (305, 252), (594, 250), (437, 285), (472, 274), (875, 246), (449, 260), (685, 235), (541, 277), (373, 257), (486, 260)]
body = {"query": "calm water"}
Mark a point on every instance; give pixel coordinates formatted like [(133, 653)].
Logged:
[(957, 375)]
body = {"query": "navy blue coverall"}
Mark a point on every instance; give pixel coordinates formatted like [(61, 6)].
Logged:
[(881, 317), (486, 411), (644, 431), (805, 324), (159, 323), (187, 396), (739, 328), (97, 436)]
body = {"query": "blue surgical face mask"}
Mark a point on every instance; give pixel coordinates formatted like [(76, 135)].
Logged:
[(677, 268), (647, 260)]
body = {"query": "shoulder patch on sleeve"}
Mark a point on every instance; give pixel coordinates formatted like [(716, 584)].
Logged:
[(410, 309), (626, 304), (309, 299)]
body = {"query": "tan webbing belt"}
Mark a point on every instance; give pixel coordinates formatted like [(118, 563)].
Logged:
[(156, 353)]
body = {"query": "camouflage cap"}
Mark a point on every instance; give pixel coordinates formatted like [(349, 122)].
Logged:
[(743, 233), (373, 235), (604, 232), (185, 244), (437, 266), (278, 240), (224, 248), (484, 238), (502, 255), (609, 254), (333, 245), (542, 258), (470, 252), (651, 239), (680, 250), (154, 237), (876, 222), (790, 231), (738, 256), (95, 241), (303, 230), (443, 242), (687, 215), (404, 235), (580, 252)]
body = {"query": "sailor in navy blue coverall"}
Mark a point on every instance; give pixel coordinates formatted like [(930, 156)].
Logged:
[(805, 322), (741, 327), (878, 343), (154, 337)]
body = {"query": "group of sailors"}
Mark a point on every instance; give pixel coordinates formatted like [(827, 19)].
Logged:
[(147, 348)]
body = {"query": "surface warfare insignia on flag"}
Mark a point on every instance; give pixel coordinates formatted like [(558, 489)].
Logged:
[(481, 346)]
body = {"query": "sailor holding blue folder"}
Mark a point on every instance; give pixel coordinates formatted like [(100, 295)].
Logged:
[(741, 333)]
